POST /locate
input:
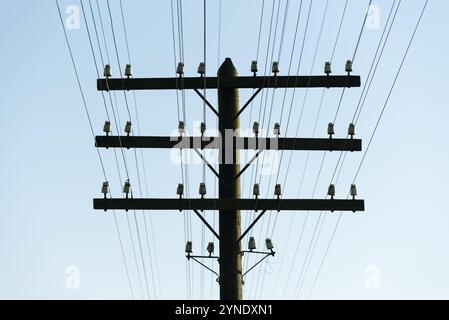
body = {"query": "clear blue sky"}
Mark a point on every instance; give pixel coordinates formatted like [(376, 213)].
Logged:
[(50, 171)]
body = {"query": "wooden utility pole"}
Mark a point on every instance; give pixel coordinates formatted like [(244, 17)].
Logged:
[(229, 188), (229, 144)]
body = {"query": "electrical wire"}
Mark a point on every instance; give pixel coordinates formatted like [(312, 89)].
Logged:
[(104, 100), (212, 282), (202, 133), (316, 121), (262, 96), (371, 139), (130, 119), (364, 92), (293, 216), (93, 135), (150, 248), (116, 116), (294, 90)]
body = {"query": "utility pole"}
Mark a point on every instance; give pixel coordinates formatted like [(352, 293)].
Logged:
[(229, 203), (229, 188)]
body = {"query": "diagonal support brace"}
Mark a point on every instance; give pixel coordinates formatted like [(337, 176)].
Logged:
[(207, 224), (206, 102), (251, 226), (245, 106), (248, 164), (207, 163)]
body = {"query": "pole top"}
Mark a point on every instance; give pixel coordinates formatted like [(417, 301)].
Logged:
[(227, 69)]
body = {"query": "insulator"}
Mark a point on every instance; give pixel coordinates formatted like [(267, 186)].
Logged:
[(327, 68), (348, 66), (127, 188), (256, 190), (181, 127), (277, 129), (107, 127), (252, 244), (254, 66), (278, 190), (128, 127), (210, 247), (107, 71), (189, 247), (203, 127), (353, 190), (105, 188), (180, 68), (330, 129), (275, 67), (202, 68), (269, 244), (331, 190), (128, 71), (351, 130), (180, 189), (256, 128), (202, 189)]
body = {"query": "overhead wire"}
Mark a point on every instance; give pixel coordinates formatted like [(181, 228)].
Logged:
[(72, 58), (324, 154), (353, 58), (280, 122), (180, 117), (299, 121), (320, 222), (130, 119), (107, 113), (212, 282), (364, 94), (183, 116), (116, 116), (202, 133), (301, 112), (371, 140), (302, 107), (298, 283), (250, 215), (150, 249), (263, 93)]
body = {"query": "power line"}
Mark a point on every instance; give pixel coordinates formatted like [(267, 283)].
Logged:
[(373, 69), (363, 91), (217, 125), (130, 118), (267, 65), (251, 215), (269, 119), (184, 167), (153, 249), (338, 108), (353, 58), (116, 116), (371, 138), (302, 107), (93, 134), (301, 112), (104, 101), (228, 203)]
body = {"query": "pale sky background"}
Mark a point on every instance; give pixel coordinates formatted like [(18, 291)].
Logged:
[(50, 170)]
